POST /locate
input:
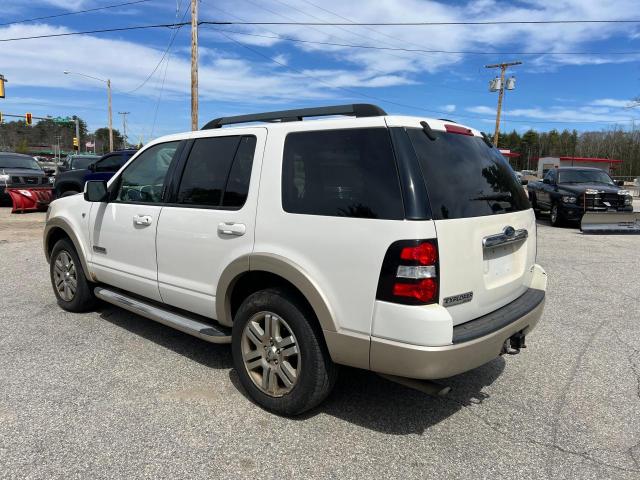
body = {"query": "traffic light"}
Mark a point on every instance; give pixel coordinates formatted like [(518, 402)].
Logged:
[(2, 80), (76, 144), (29, 118), (1, 118)]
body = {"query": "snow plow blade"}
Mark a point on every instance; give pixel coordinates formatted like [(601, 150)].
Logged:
[(30, 199), (610, 222)]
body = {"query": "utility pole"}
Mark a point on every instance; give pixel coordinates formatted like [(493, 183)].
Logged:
[(78, 131), (194, 64), (503, 69), (58, 137), (124, 128), (110, 117)]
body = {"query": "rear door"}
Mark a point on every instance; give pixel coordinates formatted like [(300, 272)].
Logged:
[(211, 219), (476, 204)]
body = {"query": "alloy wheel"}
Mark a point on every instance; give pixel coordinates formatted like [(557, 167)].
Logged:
[(65, 277), (270, 354)]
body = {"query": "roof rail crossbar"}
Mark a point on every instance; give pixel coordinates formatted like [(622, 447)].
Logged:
[(356, 110)]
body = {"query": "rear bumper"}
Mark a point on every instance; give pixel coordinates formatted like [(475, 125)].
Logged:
[(476, 344)]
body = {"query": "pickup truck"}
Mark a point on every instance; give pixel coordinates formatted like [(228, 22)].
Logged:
[(569, 192)]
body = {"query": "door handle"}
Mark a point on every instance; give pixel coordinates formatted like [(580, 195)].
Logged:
[(144, 220), (231, 228)]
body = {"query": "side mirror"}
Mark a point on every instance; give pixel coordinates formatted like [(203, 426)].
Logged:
[(547, 181), (524, 182), (620, 183), (95, 191), (92, 167)]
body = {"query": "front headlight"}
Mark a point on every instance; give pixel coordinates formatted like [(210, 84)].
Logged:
[(4, 178), (624, 192), (568, 199)]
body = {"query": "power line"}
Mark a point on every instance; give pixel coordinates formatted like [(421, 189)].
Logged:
[(420, 50), (104, 30), (404, 105), (89, 10), (428, 24), (166, 50), (210, 22), (166, 66)]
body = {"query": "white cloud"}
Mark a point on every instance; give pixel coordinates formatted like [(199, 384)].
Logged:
[(612, 102), (223, 77), (450, 108), (281, 59), (559, 114), (530, 38)]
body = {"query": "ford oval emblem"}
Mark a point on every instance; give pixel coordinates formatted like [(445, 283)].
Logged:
[(509, 231)]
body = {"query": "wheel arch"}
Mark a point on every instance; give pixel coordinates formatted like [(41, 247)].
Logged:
[(265, 269), (345, 348), (56, 229)]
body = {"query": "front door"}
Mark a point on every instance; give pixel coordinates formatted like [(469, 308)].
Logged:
[(123, 231), (211, 219)]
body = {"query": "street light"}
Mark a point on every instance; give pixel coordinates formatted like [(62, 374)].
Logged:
[(108, 82)]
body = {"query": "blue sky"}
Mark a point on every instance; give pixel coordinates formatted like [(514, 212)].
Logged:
[(248, 68)]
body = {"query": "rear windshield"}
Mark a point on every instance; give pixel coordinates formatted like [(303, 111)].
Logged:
[(465, 178)]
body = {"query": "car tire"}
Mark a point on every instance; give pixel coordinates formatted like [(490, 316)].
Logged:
[(279, 353), (68, 193), (555, 217), (73, 291)]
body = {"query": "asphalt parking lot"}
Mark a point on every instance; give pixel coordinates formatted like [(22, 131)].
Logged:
[(111, 395)]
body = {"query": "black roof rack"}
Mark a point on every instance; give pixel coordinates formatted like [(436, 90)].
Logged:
[(356, 110)]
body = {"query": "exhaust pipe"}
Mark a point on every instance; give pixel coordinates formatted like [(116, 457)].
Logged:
[(513, 344)]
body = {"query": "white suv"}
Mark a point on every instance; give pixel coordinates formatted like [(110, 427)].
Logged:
[(395, 244)]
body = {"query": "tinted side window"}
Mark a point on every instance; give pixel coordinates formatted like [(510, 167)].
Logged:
[(144, 179), (344, 173), (237, 188), (110, 164), (217, 172), (465, 178)]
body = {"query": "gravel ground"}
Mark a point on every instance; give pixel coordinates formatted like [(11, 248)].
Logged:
[(111, 395)]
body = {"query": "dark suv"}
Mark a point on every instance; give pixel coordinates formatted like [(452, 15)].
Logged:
[(72, 181)]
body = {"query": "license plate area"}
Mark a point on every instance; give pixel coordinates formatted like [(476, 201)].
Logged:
[(503, 264)]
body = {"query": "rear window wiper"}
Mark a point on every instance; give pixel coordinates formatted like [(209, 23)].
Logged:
[(428, 131), (487, 140), (506, 197)]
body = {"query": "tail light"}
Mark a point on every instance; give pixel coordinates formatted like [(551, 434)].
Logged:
[(409, 273)]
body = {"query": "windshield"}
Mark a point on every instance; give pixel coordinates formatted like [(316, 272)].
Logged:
[(80, 163), (466, 178), (18, 161), (584, 176)]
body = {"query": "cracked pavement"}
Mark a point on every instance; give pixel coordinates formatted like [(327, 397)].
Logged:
[(107, 394)]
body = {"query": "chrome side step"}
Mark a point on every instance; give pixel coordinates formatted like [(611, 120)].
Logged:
[(205, 331)]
